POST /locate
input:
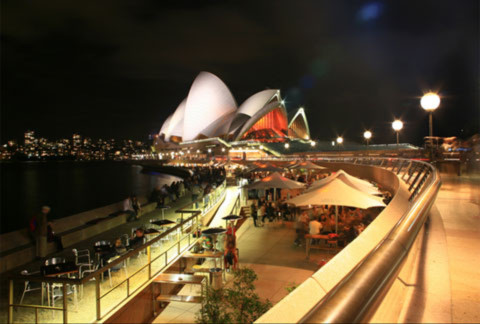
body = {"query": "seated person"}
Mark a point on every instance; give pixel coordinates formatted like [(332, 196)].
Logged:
[(117, 249), (138, 238), (315, 227)]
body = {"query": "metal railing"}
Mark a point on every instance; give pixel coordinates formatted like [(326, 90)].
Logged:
[(102, 299), (356, 296)]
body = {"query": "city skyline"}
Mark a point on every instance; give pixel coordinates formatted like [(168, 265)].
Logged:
[(118, 70)]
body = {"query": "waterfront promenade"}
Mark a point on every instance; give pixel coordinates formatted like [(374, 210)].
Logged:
[(445, 288)]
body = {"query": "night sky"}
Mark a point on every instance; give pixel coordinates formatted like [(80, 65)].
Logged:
[(117, 69)]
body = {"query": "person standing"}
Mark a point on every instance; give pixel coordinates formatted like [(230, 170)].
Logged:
[(40, 232), (253, 209)]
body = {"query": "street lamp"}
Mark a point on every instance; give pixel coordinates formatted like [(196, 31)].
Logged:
[(313, 143), (339, 140), (368, 136), (430, 101), (397, 127), (287, 145)]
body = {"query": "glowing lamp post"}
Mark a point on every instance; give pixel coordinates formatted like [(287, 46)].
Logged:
[(339, 141), (430, 102), (397, 126), (367, 135), (287, 146)]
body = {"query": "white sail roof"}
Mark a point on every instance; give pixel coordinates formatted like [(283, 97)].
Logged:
[(165, 125), (209, 99), (257, 101), (175, 127)]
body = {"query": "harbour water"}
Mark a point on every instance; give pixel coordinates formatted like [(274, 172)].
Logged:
[(68, 187)]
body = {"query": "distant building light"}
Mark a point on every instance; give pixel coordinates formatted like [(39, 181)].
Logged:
[(287, 145)]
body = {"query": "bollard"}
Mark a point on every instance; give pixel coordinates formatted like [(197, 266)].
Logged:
[(216, 278)]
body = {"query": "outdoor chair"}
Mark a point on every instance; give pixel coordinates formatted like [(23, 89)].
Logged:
[(82, 258), (31, 286)]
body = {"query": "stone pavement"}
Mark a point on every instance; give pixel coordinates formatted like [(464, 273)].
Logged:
[(447, 286)]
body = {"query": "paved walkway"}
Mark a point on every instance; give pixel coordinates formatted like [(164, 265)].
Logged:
[(447, 282)]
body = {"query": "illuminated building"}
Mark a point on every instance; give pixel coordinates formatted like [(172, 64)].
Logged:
[(210, 114)]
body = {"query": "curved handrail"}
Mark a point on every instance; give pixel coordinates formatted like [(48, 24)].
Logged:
[(356, 293), (354, 298)]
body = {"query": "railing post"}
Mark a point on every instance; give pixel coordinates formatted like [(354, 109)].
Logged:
[(416, 179), (10, 301), (149, 260), (415, 167), (65, 303), (97, 296)]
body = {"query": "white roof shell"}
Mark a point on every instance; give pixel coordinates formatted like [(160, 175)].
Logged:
[(165, 125), (209, 99), (256, 102), (175, 127)]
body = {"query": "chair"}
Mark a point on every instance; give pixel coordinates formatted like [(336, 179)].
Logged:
[(116, 268), (30, 286), (57, 289), (82, 257)]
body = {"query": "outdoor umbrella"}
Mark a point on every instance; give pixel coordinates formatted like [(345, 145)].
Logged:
[(337, 193), (267, 167), (352, 181), (231, 218), (306, 165), (275, 180)]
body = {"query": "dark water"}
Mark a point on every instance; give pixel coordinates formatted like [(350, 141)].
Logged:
[(68, 187)]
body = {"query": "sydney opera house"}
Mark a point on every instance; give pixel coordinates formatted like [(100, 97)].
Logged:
[(209, 115)]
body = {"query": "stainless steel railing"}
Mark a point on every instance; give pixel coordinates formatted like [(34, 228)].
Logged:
[(356, 296)]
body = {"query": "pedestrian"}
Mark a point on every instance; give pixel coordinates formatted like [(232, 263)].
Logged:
[(253, 209), (39, 228)]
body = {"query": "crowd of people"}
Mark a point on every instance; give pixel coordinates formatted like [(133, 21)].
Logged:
[(321, 221), (199, 183)]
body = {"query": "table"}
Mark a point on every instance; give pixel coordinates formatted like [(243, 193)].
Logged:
[(206, 255), (57, 270), (163, 207), (174, 278)]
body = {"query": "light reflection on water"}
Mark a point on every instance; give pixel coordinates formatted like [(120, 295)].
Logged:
[(68, 187)]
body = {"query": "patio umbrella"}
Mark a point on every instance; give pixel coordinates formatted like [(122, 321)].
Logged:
[(231, 218), (337, 193), (275, 180), (267, 167), (307, 165), (352, 181)]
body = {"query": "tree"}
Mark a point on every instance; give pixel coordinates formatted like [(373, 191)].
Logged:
[(238, 303)]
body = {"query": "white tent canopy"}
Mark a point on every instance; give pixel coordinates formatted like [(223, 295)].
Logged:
[(275, 180), (267, 167), (337, 193), (306, 165), (350, 180)]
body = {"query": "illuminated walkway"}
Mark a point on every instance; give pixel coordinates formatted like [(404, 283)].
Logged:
[(224, 210), (446, 287)]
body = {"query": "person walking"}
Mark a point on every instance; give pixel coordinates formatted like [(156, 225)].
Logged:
[(253, 209)]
